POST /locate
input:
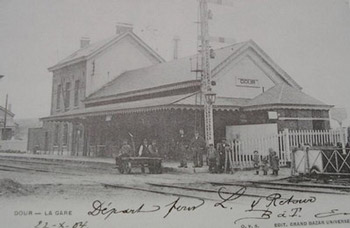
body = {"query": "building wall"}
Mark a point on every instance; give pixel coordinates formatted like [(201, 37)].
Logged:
[(246, 77), (229, 118), (56, 142), (92, 74), (36, 140), (303, 119), (125, 55), (62, 76)]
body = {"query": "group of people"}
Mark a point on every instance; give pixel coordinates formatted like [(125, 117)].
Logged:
[(195, 147), (217, 158), (265, 163), (145, 150)]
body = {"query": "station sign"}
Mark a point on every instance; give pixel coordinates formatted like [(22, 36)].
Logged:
[(247, 82)]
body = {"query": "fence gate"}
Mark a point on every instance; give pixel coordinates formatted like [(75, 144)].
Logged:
[(321, 160)]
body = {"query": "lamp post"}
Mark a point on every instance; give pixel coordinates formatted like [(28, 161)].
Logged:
[(206, 81)]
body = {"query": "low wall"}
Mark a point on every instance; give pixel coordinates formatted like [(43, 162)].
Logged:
[(14, 145)]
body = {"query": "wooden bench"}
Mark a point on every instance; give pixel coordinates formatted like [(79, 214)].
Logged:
[(154, 164)]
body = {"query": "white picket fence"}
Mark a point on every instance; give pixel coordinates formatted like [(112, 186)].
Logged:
[(242, 151), (318, 138)]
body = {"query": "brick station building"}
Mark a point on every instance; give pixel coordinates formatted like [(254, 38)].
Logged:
[(120, 87)]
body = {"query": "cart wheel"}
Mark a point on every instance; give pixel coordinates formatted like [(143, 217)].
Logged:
[(121, 168), (152, 170), (159, 169)]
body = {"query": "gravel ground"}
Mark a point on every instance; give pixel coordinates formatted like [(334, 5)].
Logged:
[(66, 193)]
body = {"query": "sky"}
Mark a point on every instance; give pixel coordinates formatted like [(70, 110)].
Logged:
[(309, 39)]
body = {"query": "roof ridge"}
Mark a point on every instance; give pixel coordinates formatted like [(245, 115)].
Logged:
[(105, 85), (100, 45)]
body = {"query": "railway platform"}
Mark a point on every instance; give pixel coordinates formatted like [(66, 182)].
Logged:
[(168, 166)]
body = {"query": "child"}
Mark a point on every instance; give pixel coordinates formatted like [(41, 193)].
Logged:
[(265, 164), (275, 163), (213, 158), (256, 161)]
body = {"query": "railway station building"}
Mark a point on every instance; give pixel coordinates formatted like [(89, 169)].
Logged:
[(120, 88)]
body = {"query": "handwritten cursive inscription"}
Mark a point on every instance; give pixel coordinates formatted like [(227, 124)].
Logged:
[(261, 207), (99, 209), (227, 196), (175, 206), (331, 213)]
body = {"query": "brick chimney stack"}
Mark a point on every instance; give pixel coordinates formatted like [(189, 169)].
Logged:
[(84, 42), (176, 40), (123, 27)]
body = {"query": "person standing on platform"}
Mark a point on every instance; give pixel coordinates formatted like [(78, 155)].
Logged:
[(181, 148), (265, 164), (213, 159), (197, 146), (144, 152), (221, 147), (154, 152), (274, 163)]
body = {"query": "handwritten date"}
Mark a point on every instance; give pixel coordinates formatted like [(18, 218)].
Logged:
[(42, 224)]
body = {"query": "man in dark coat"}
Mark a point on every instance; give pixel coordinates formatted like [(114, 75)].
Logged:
[(143, 149), (197, 146), (222, 150), (181, 147), (274, 162)]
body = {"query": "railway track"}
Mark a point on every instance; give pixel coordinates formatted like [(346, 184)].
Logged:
[(10, 164), (13, 168), (70, 163), (210, 191), (185, 189), (289, 187)]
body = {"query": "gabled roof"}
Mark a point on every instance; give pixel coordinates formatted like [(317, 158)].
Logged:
[(252, 45), (283, 94), (97, 47), (177, 71)]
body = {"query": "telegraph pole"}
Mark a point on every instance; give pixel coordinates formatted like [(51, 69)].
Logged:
[(5, 119), (206, 72)]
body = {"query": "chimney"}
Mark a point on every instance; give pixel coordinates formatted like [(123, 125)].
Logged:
[(84, 42), (176, 40), (123, 27)]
